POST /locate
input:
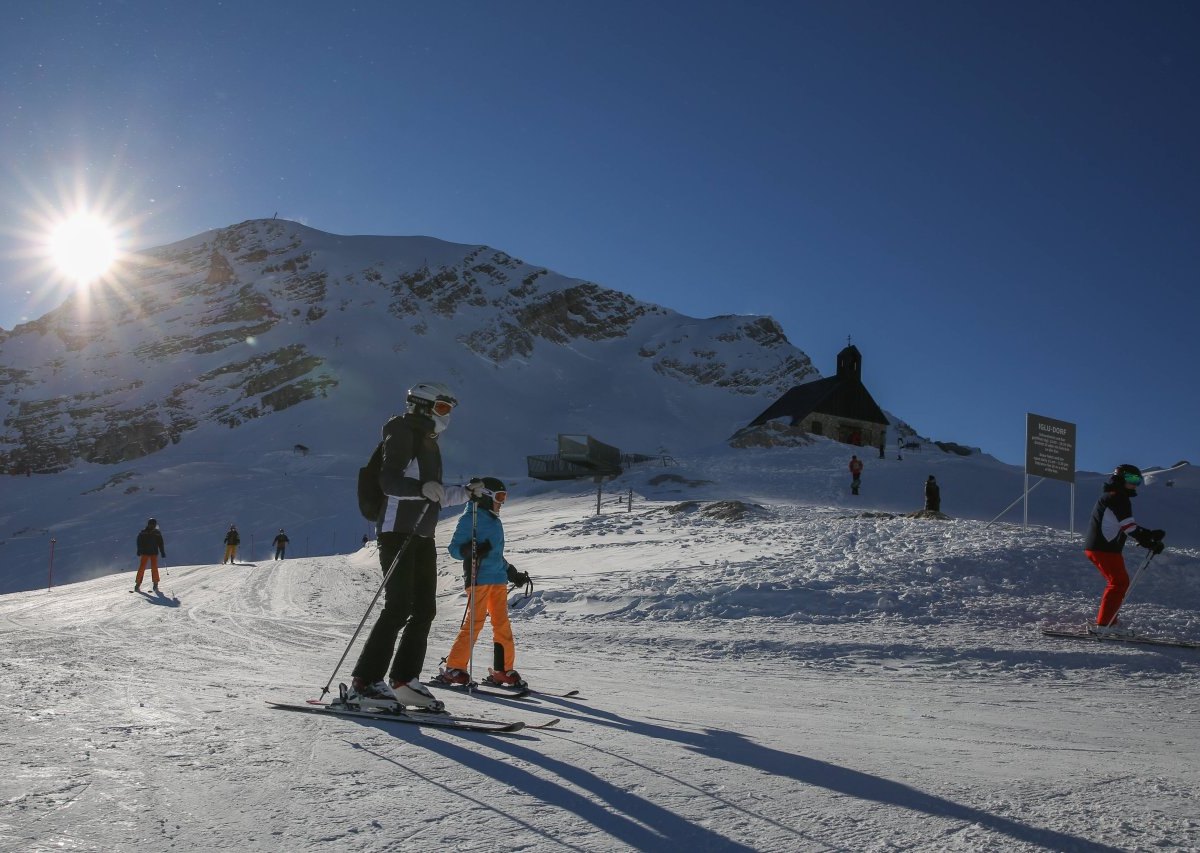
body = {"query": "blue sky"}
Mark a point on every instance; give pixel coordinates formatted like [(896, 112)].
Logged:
[(1000, 203)]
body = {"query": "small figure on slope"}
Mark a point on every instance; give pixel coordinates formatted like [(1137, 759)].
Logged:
[(856, 468), (280, 544), (933, 495), (479, 542), (149, 547), (410, 476), (232, 540), (1113, 521)]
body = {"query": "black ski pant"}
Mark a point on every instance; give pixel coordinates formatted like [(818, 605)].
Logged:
[(409, 605)]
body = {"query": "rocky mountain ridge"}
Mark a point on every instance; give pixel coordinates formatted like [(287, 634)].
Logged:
[(247, 322)]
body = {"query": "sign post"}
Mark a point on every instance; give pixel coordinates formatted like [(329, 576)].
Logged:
[(1049, 454)]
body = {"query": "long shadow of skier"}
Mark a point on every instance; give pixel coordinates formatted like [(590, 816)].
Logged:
[(736, 748), (633, 820)]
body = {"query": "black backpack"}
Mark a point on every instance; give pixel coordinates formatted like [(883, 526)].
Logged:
[(370, 495)]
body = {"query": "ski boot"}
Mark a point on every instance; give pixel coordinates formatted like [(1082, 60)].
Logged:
[(511, 679), (414, 694)]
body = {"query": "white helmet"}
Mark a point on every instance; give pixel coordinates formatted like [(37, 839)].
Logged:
[(434, 400)]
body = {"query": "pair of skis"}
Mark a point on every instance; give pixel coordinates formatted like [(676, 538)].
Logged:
[(1120, 638), (433, 719), (486, 688)]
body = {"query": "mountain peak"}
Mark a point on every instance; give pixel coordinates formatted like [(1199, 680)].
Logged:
[(242, 324)]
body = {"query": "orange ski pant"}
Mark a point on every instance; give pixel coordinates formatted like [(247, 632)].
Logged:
[(230, 554), (487, 600), (1112, 566), (152, 559)]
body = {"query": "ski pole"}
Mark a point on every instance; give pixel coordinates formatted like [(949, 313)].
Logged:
[(1136, 575), (471, 596), (387, 575)]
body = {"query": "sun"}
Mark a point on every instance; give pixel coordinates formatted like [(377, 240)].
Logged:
[(83, 247)]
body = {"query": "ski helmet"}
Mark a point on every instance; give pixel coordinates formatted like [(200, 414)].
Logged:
[(434, 400), (494, 494), (1128, 475)]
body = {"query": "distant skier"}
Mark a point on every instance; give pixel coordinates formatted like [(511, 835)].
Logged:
[(149, 547), (856, 468), (410, 476), (280, 544), (933, 495), (1112, 521), (232, 540), (486, 575)]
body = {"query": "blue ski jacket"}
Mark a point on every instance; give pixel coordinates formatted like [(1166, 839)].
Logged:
[(493, 568)]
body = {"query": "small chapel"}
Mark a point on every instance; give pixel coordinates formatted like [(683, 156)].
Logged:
[(838, 407)]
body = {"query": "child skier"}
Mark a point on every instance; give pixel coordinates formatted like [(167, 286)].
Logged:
[(486, 580), (1112, 520), (149, 546)]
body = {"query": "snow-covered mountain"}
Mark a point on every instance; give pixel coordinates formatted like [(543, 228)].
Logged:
[(183, 392), (250, 322), (769, 662), (218, 355)]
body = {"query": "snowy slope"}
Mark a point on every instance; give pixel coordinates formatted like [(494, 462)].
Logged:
[(802, 677), (93, 515)]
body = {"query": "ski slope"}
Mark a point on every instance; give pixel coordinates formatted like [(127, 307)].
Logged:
[(776, 677)]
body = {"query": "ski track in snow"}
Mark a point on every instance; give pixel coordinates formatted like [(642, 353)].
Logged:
[(800, 678)]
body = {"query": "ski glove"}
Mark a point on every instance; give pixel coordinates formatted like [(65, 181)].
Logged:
[(482, 549), (515, 577), (475, 488), (1150, 539), (433, 491)]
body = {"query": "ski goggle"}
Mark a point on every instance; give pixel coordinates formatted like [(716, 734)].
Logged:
[(497, 497), (441, 408), (1132, 479)]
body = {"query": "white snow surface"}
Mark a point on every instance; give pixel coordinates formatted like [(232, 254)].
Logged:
[(762, 670)]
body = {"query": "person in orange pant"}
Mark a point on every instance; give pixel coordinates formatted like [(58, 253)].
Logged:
[(232, 540), (486, 579), (149, 546)]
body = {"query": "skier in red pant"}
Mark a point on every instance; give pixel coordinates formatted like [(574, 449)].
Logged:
[(1112, 522)]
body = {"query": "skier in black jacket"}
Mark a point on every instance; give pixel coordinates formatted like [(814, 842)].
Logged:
[(411, 478), (280, 544), (232, 540), (933, 495), (149, 546), (1113, 521)]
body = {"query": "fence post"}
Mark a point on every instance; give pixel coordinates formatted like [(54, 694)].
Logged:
[(50, 583)]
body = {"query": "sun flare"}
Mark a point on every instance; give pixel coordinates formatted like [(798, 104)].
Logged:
[(83, 247)]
